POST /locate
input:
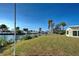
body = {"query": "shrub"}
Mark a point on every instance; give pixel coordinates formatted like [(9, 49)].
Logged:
[(35, 36), (29, 37), (10, 41), (3, 42), (26, 38), (62, 32)]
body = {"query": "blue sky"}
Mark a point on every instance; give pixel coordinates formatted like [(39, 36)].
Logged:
[(33, 16), (6, 14)]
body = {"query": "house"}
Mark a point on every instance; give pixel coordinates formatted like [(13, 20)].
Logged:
[(73, 31)]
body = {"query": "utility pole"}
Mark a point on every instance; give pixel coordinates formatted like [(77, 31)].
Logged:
[(14, 47)]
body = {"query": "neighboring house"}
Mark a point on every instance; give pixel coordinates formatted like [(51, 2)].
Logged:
[(3, 30), (73, 31), (0, 30)]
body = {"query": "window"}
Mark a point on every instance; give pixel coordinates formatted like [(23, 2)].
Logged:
[(78, 33), (74, 33), (67, 32)]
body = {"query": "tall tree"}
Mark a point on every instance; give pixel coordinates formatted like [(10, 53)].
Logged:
[(3, 27), (62, 24), (50, 25), (40, 29), (18, 30), (57, 27)]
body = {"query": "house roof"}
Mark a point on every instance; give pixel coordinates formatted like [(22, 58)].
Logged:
[(75, 26)]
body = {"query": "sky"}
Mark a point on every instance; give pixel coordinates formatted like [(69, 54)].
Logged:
[(34, 16)]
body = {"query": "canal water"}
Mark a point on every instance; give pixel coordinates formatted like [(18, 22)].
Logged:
[(11, 37)]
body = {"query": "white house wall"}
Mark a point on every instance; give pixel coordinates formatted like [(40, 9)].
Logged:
[(71, 32), (76, 30)]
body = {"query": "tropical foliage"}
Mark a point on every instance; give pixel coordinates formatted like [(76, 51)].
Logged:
[(3, 42), (3, 27), (59, 28), (62, 24), (18, 31)]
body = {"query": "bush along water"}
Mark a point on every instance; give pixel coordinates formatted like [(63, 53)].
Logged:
[(28, 37), (3, 42)]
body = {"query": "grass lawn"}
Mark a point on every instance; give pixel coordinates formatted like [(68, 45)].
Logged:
[(47, 45)]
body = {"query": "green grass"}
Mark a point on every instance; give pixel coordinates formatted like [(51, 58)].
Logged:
[(46, 45)]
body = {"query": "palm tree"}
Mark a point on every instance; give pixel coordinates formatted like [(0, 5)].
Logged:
[(3, 27), (50, 25), (40, 29), (62, 24)]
